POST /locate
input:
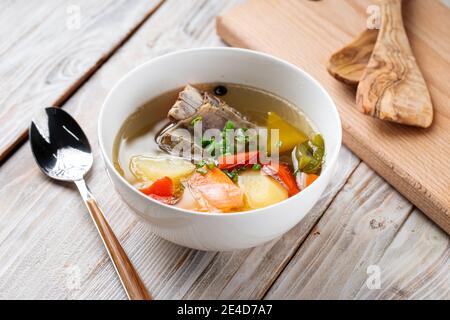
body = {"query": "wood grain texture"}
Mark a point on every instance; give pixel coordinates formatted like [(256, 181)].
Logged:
[(49, 237), (49, 247), (402, 155), (349, 63), (130, 279), (392, 87), (49, 48), (368, 224), (415, 265)]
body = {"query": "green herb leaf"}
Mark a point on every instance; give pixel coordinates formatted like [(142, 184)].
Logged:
[(232, 175), (206, 142), (202, 170), (229, 125), (256, 167), (201, 163), (211, 165), (195, 120), (211, 149)]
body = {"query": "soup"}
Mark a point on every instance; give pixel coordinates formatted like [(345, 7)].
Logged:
[(219, 148)]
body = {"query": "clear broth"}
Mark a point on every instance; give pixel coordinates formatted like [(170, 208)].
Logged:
[(137, 135)]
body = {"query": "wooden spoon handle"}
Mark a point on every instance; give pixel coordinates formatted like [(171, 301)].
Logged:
[(129, 277), (391, 15)]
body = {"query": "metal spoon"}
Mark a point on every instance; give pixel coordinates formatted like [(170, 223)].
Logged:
[(62, 151)]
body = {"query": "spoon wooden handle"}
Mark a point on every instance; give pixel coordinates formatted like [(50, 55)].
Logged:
[(129, 277)]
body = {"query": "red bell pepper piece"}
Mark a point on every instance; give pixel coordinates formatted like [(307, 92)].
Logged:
[(284, 175), (162, 188)]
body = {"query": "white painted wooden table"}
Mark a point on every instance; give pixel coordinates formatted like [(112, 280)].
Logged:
[(71, 54)]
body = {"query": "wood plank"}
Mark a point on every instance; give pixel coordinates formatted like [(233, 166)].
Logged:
[(415, 265), (368, 224), (300, 32), (50, 237), (48, 245), (56, 46)]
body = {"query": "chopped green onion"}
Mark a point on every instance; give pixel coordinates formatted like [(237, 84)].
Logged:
[(201, 170), (256, 167), (207, 142), (201, 163), (232, 175), (211, 165), (211, 149), (226, 147), (195, 120), (228, 173), (229, 125)]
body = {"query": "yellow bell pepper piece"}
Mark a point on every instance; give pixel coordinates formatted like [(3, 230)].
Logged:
[(289, 136)]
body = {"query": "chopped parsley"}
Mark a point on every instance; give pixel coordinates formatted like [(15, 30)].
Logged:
[(202, 170), (256, 167), (195, 120), (229, 125)]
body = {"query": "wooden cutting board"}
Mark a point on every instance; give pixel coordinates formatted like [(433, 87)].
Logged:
[(415, 161)]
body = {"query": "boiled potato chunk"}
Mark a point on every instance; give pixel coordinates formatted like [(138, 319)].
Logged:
[(289, 136), (260, 190), (152, 168)]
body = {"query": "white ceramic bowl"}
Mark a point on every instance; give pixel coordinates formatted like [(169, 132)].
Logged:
[(209, 231)]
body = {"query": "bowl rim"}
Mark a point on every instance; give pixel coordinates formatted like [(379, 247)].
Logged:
[(327, 170)]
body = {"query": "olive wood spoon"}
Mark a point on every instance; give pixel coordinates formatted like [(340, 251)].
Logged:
[(392, 87), (348, 64)]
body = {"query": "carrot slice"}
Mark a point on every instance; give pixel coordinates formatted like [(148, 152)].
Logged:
[(162, 187), (310, 178), (232, 161)]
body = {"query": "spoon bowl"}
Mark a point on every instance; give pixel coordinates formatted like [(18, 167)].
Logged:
[(62, 151), (59, 145)]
